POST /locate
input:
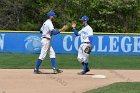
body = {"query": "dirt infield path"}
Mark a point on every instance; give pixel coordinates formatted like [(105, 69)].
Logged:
[(24, 81)]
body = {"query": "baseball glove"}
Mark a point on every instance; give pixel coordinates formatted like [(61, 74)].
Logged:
[(87, 50)]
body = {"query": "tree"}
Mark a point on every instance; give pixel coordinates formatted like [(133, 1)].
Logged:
[(11, 12), (105, 15)]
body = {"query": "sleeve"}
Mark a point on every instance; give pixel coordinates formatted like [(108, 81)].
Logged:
[(75, 32), (55, 32)]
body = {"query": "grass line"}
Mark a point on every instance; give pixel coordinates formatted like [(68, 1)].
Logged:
[(121, 87), (8, 60)]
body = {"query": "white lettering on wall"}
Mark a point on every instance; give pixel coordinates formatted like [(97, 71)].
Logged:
[(108, 44), (76, 42), (65, 42), (126, 47), (136, 44), (2, 41), (93, 48), (100, 45), (113, 44)]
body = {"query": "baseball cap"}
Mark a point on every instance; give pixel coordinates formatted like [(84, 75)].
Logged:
[(51, 13), (84, 18)]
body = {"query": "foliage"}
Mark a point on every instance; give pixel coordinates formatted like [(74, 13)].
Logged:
[(10, 13), (105, 15), (27, 26)]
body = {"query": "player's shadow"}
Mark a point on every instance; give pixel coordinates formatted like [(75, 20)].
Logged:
[(89, 74), (48, 73)]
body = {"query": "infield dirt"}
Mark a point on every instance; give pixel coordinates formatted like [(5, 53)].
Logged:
[(24, 81)]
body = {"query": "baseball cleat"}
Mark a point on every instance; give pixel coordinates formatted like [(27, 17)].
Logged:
[(84, 72), (87, 70), (37, 72), (56, 71)]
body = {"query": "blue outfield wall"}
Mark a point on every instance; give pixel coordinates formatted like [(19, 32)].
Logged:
[(120, 44)]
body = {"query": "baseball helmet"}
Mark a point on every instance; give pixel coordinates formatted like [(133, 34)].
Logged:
[(51, 13), (84, 18)]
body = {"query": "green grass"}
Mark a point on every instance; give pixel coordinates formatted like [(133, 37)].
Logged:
[(126, 87), (9, 60)]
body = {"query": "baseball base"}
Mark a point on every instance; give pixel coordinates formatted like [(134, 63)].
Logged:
[(99, 76)]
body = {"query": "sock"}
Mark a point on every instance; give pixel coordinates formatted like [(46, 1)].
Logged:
[(53, 63), (83, 63), (85, 66), (38, 63)]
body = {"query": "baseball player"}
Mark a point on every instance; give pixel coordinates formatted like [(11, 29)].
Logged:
[(86, 36), (47, 31)]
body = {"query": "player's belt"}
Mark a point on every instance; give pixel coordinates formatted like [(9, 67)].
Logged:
[(86, 42), (46, 38)]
